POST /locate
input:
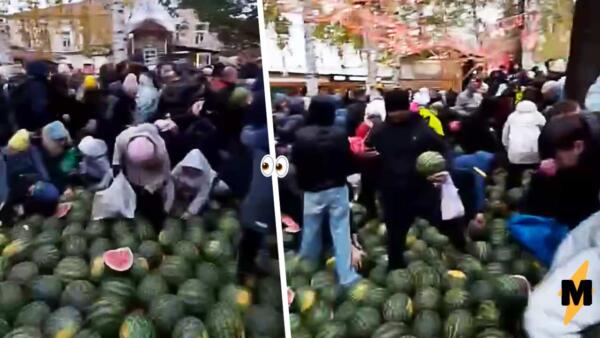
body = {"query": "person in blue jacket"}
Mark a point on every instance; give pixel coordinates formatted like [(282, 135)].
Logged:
[(475, 166)]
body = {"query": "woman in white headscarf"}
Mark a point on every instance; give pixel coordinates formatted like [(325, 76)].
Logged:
[(193, 180), (146, 99)]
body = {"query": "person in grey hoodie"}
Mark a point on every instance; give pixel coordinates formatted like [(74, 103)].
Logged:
[(94, 167)]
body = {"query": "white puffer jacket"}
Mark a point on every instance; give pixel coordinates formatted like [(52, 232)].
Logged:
[(521, 133)]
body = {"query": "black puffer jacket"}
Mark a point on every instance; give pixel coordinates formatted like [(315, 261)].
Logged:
[(321, 151)]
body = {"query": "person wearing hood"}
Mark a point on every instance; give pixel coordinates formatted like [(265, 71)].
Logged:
[(94, 167), (404, 194), (520, 138), (421, 100), (256, 211), (141, 153), (376, 104), (323, 160), (55, 139), (31, 100), (193, 180), (146, 100)]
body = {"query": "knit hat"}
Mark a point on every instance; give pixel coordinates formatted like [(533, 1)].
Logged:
[(92, 147), (45, 192), (140, 150), (19, 141), (90, 83), (130, 85)]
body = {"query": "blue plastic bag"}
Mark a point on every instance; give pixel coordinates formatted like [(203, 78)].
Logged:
[(540, 235)]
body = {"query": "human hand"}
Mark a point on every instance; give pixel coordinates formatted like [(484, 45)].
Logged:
[(480, 219), (357, 255), (439, 178), (548, 167)]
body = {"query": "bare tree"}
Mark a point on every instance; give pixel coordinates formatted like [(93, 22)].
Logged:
[(119, 38)]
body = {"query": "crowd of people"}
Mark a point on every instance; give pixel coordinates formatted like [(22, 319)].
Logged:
[(180, 136), (512, 119)]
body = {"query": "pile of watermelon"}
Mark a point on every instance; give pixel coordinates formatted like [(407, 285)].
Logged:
[(443, 293), (59, 278)]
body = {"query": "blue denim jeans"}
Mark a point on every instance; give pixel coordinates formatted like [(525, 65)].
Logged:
[(333, 203)]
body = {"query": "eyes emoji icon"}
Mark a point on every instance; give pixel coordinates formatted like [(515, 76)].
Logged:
[(280, 166)]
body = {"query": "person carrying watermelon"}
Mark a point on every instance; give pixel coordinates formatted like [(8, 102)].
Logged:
[(405, 194)]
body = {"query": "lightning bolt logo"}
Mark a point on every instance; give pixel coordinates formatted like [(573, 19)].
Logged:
[(572, 309)]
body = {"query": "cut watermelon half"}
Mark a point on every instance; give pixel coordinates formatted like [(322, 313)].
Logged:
[(120, 259)]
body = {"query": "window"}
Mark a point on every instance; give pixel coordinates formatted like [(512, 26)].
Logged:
[(202, 27), (150, 56), (199, 37), (66, 39), (203, 59), (177, 30)]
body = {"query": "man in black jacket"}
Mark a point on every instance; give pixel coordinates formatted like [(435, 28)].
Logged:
[(356, 112), (405, 194), (323, 160)]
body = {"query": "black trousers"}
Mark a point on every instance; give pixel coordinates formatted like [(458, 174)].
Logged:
[(399, 213), (150, 206), (249, 246)]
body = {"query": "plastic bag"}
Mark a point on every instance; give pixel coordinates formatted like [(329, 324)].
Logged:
[(540, 235), (119, 200), (452, 206), (585, 236)]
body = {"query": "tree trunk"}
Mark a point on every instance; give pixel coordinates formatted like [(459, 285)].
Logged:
[(4, 39), (584, 58), (312, 81), (119, 43)]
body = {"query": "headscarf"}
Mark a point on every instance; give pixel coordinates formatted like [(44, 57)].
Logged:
[(140, 150), (54, 138), (422, 97), (92, 147), (19, 142), (130, 85)]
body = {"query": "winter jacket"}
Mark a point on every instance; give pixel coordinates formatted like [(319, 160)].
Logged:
[(399, 145), (96, 170), (31, 100), (521, 132), (356, 115), (146, 100), (483, 161), (257, 209), (18, 171), (467, 103), (592, 99), (321, 151), (192, 192), (432, 120)]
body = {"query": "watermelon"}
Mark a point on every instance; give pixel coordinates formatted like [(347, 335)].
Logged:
[(333, 293), (175, 270), (24, 332), (122, 289), (376, 297), (79, 294), (345, 311), (430, 162), (264, 321), (189, 327), (488, 315), (208, 273), (16, 248), (196, 235), (170, 235), (121, 228), (73, 229), (74, 246), (364, 322), (4, 263), (236, 296), (152, 252), (87, 333), (378, 274), (322, 279), (33, 314), (71, 268), (196, 296), (23, 272), (187, 250), (358, 292), (46, 257), (471, 267), (97, 268), (427, 298), (391, 330), (106, 315), (398, 308), (224, 321), (333, 329), (23, 232), (456, 299), (48, 236), (492, 333), (455, 279), (318, 315), (127, 240), (12, 298), (427, 276), (151, 287), (137, 326), (482, 290), (269, 292), (459, 324), (427, 324), (139, 269), (144, 230), (4, 327), (119, 259), (99, 246), (64, 322), (46, 288), (96, 229), (481, 250), (166, 310)]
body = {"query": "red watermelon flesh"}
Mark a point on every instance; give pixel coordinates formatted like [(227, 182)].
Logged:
[(120, 259)]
